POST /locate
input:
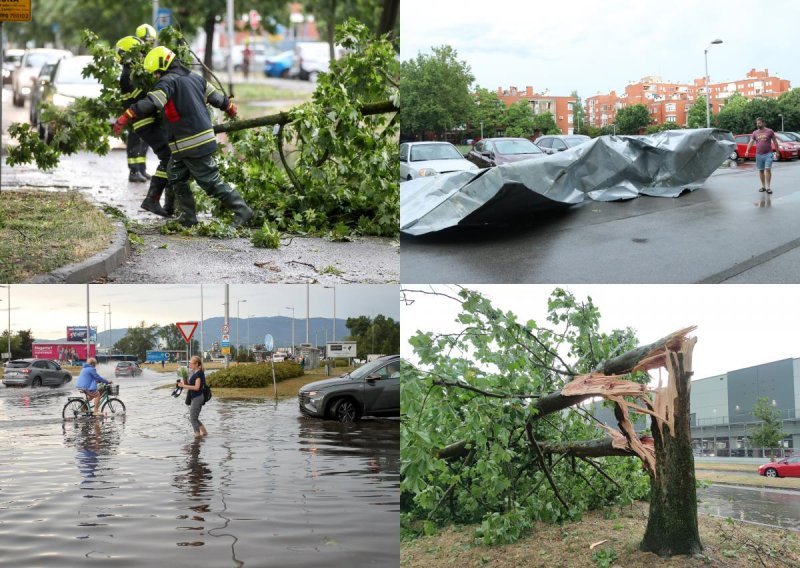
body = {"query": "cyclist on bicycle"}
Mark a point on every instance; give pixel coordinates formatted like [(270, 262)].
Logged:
[(87, 383)]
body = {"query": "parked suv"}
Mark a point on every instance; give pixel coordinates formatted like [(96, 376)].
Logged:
[(34, 373), (373, 389), (127, 369), (553, 144)]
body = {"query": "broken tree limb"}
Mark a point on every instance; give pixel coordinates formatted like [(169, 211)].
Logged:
[(280, 118), (543, 465)]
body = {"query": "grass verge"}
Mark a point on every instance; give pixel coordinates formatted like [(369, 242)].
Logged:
[(41, 231), (726, 543)]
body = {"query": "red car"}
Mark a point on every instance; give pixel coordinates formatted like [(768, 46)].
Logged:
[(787, 467), (789, 149)]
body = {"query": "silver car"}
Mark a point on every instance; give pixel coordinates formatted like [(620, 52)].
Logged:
[(552, 144), (23, 76), (422, 159), (34, 373)]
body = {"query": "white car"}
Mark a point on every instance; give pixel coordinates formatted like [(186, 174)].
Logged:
[(423, 159), (31, 63)]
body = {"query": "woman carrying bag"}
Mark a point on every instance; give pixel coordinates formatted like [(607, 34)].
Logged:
[(195, 398)]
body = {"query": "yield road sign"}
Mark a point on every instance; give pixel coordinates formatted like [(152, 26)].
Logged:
[(187, 329)]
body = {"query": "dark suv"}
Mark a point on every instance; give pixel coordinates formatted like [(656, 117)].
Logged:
[(127, 369), (34, 373), (373, 389)]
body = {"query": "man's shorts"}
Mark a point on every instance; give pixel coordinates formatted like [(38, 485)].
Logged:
[(764, 161)]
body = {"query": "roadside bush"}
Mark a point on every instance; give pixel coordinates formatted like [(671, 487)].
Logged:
[(253, 376), (341, 363)]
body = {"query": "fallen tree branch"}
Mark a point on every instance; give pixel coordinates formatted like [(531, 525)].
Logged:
[(543, 465)]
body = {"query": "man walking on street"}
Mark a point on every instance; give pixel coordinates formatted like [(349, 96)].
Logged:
[(182, 96), (764, 138)]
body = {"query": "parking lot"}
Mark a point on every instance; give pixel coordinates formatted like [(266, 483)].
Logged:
[(724, 232)]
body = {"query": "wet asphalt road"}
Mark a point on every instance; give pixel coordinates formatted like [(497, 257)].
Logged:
[(178, 259), (724, 232), (773, 507)]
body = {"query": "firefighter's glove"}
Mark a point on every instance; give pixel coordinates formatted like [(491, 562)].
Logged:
[(231, 110), (123, 121)]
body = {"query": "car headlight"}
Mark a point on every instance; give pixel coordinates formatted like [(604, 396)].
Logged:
[(62, 100), (425, 172)]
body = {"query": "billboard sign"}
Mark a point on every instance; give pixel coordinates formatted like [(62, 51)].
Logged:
[(63, 351), (157, 356), (78, 333), (15, 11), (340, 349)]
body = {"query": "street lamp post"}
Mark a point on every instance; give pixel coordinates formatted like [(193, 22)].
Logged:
[(334, 311), (292, 308), (249, 346), (708, 95), (237, 326), (8, 299), (110, 338), (781, 115)]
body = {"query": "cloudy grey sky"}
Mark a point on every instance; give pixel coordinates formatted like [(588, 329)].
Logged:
[(738, 325), (47, 310), (592, 46)]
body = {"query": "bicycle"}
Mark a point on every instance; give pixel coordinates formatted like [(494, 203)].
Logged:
[(77, 407)]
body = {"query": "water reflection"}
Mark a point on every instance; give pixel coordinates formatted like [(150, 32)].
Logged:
[(95, 440), (194, 479), (751, 504)]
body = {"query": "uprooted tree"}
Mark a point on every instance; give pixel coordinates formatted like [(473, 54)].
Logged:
[(494, 429)]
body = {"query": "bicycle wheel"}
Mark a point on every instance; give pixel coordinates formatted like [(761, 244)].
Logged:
[(74, 409), (113, 406)]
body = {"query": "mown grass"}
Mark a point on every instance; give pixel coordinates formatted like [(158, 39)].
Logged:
[(41, 231), (619, 532)]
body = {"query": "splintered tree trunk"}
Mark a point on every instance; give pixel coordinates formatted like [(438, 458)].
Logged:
[(672, 524)]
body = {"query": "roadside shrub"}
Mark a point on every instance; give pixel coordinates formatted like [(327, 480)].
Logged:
[(253, 376), (341, 363)]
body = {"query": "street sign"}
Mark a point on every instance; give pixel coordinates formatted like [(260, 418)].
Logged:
[(225, 329), (5, 355), (15, 11), (226, 341), (226, 350), (340, 349), (163, 19), (269, 343), (187, 329)]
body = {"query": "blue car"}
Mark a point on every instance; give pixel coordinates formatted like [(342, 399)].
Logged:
[(279, 65)]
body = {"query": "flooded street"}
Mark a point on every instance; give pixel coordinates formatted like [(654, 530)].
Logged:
[(265, 488), (773, 507)]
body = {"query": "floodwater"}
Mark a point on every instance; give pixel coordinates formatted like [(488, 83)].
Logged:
[(773, 507), (265, 488)]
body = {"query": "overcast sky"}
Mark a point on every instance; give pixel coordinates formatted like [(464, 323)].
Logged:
[(738, 325), (47, 310), (593, 46)]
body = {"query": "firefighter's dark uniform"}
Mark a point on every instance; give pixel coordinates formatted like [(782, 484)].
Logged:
[(182, 96), (137, 158), (151, 132)]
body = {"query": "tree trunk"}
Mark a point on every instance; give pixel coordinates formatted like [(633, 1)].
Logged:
[(391, 10), (672, 523), (208, 27)]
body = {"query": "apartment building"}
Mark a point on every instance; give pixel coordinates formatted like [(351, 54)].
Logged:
[(670, 102), (560, 107)]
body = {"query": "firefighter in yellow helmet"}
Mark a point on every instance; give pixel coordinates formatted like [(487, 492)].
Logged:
[(148, 132), (146, 33), (135, 146), (182, 97)]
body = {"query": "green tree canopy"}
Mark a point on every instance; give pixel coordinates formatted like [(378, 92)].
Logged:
[(789, 105), (768, 433), (632, 118), (378, 335), (520, 120), (697, 114), (138, 340), (489, 110), (578, 114), (435, 92)]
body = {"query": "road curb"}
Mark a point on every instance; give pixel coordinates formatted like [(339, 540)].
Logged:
[(97, 266)]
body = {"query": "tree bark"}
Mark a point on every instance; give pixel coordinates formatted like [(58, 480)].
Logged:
[(283, 117), (208, 27), (672, 523), (389, 14)]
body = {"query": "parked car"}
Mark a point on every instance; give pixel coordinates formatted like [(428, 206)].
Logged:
[(795, 136), (29, 67), (45, 75), (787, 467), (422, 159), (788, 148), (34, 373), (11, 60), (495, 151), (312, 58), (554, 143), (259, 52), (279, 65), (371, 390), (64, 85), (127, 369)]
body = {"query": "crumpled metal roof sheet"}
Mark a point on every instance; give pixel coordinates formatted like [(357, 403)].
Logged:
[(607, 168)]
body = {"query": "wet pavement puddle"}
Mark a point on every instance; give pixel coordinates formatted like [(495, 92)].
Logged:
[(265, 488)]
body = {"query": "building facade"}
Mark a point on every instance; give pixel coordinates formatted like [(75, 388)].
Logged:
[(670, 102), (560, 107)]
